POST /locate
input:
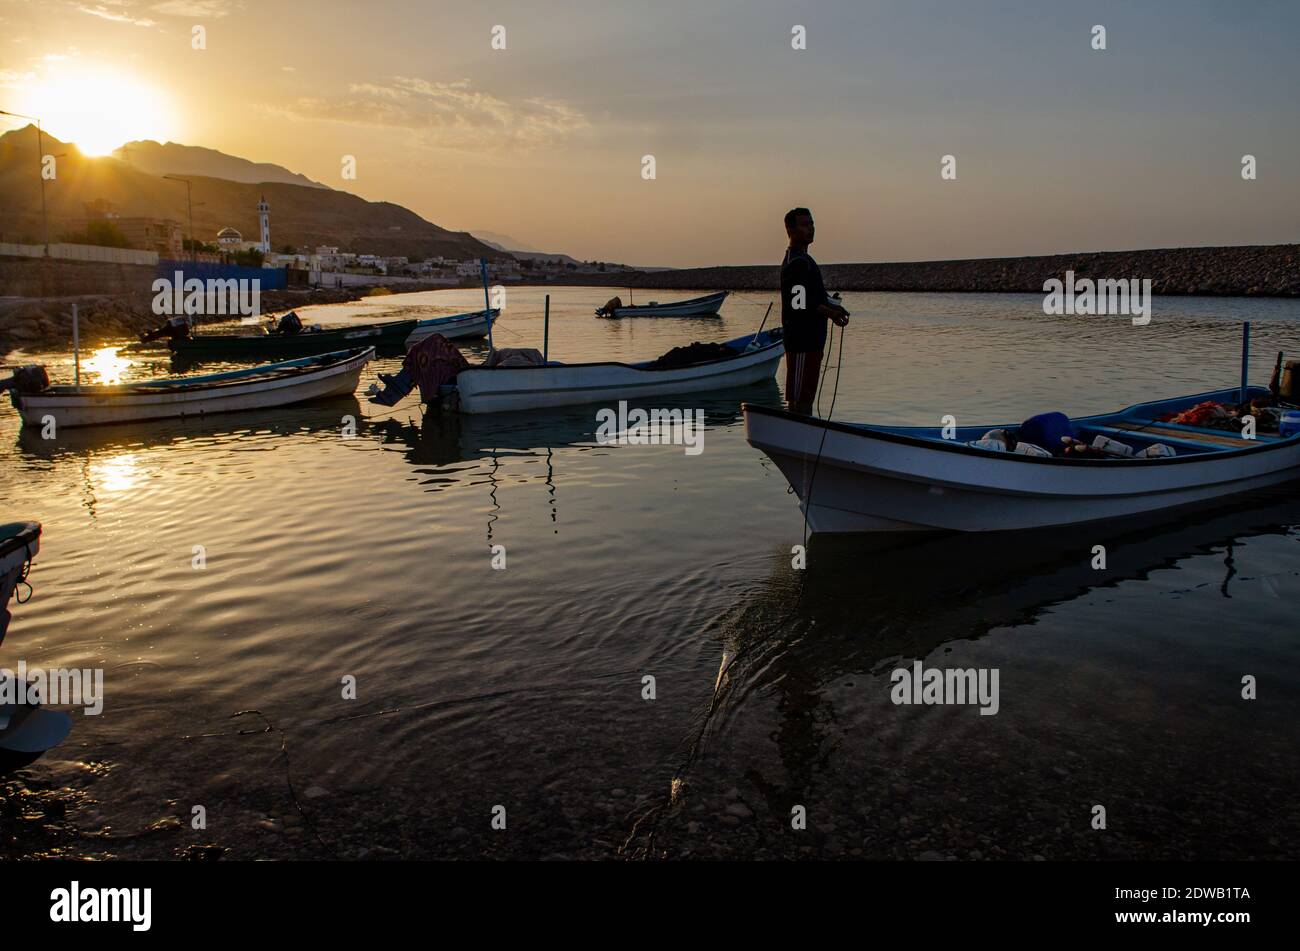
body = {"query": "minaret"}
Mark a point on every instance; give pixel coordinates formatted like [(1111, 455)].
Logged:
[(264, 219)]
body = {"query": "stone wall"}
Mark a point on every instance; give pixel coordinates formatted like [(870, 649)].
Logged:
[(1251, 271)]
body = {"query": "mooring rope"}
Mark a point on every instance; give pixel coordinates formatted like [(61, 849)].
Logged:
[(655, 814)]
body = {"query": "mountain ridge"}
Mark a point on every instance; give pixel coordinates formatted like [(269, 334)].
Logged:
[(175, 158), (302, 216)]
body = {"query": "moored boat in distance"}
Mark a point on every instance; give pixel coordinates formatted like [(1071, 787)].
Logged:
[(455, 327), (394, 335), (695, 307), (856, 477), (508, 388), (259, 387)]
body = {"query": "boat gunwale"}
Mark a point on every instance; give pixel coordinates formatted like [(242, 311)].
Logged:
[(293, 370), (22, 540), (941, 445), (340, 333), (218, 341), (642, 368)]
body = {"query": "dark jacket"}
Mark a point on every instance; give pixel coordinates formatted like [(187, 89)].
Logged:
[(805, 328)]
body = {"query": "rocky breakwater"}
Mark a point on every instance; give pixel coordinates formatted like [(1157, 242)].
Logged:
[(1248, 271)]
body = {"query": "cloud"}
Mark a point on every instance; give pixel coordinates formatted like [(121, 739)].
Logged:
[(12, 79), (116, 11), (450, 115), (136, 12), (211, 9)]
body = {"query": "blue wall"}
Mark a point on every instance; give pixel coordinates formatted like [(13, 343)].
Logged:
[(272, 278)]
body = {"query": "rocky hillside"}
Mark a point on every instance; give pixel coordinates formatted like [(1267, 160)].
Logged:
[(172, 158), (301, 215)]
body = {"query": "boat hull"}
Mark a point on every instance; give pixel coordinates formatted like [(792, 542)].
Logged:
[(381, 336), (98, 406), (460, 327), (696, 307), (863, 481), (19, 544), (507, 389)]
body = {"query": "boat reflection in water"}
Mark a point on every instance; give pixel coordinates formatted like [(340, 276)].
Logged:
[(446, 448), (803, 685), (324, 417)]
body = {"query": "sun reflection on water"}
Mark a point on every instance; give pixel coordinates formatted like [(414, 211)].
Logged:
[(115, 474), (105, 366)]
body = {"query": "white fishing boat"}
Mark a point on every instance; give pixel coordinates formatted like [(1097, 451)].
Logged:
[(26, 729), (506, 388), (259, 387), (695, 307), (855, 477), (19, 543), (455, 327)]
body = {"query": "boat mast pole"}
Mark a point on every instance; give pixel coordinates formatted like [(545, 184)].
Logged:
[(546, 329), (76, 347), (487, 301), (1245, 358), (754, 340)]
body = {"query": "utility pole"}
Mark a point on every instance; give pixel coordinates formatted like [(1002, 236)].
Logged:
[(40, 166), (194, 252)]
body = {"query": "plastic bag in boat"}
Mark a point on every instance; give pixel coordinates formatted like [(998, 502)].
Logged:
[(1046, 430), (1156, 451), (1031, 449)]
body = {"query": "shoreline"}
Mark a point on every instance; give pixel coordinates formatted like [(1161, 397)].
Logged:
[(46, 322), (1242, 271)]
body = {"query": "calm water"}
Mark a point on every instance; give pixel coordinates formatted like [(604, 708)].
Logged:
[(371, 557)]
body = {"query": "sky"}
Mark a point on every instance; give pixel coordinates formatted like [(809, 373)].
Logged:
[(1058, 147)]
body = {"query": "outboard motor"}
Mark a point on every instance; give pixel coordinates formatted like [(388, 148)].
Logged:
[(28, 379), (176, 328), (431, 364), (289, 325), (610, 307)]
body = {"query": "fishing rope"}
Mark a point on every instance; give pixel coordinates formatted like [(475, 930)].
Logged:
[(22, 581), (376, 417), (753, 300), (288, 768), (839, 361), (653, 817)]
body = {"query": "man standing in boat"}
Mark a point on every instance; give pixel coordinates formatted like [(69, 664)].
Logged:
[(805, 308)]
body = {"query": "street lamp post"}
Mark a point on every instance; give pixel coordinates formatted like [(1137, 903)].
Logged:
[(194, 253), (40, 165)]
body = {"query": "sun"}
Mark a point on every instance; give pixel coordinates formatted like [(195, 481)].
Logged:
[(99, 108)]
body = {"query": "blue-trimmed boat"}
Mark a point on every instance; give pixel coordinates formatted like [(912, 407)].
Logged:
[(393, 335), (259, 387), (26, 729), (748, 360), (856, 477)]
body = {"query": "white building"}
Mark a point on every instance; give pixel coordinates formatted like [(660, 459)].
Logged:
[(228, 239), (264, 221)]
